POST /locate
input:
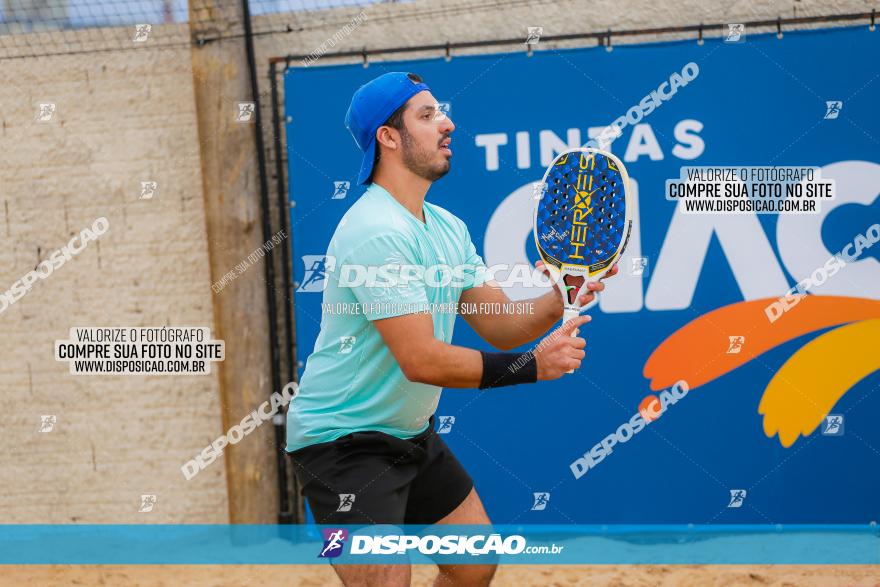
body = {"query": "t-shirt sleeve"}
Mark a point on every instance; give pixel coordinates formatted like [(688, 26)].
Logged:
[(474, 272), (386, 277)]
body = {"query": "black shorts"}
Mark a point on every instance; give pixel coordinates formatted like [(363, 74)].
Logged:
[(376, 478)]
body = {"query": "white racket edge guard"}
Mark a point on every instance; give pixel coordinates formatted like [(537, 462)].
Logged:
[(573, 310)]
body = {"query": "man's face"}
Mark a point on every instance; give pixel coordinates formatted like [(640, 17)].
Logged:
[(425, 138)]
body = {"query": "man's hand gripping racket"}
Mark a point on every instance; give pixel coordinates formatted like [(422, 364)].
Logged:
[(582, 222)]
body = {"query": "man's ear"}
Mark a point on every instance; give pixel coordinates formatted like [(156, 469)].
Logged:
[(387, 137)]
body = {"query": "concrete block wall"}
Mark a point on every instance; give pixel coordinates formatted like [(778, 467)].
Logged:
[(121, 117)]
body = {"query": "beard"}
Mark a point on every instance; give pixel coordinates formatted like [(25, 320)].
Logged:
[(422, 162)]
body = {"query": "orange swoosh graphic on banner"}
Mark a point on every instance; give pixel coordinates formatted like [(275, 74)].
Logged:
[(697, 352), (807, 386)]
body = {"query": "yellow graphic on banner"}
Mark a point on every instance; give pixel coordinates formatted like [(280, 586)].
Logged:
[(811, 382)]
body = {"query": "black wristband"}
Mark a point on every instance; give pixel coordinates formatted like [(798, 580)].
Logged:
[(500, 369)]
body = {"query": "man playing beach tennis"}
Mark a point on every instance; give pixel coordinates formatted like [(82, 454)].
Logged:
[(361, 431)]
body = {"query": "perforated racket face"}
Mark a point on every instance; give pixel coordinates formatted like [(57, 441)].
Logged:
[(581, 218)]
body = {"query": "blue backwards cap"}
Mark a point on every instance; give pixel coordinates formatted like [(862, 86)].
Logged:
[(372, 104)]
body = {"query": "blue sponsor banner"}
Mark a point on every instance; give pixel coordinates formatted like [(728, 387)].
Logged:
[(755, 438), (450, 544)]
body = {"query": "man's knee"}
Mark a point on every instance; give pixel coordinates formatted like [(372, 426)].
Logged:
[(477, 575), (374, 575)]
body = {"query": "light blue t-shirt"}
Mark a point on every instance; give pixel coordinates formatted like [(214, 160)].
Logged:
[(381, 262)]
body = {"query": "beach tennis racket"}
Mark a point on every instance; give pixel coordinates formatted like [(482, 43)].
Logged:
[(583, 219)]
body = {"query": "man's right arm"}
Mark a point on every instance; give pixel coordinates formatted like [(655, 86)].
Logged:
[(424, 359)]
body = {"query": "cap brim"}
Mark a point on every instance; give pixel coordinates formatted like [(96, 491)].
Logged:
[(367, 163)]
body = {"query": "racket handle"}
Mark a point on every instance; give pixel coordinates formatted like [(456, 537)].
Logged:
[(567, 315), (570, 313)]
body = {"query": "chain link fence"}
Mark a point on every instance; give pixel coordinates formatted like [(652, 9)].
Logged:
[(34, 28)]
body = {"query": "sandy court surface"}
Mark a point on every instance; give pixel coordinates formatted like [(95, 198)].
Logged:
[(513, 575)]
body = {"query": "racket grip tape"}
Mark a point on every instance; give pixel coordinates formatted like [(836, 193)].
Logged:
[(570, 313), (567, 315)]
